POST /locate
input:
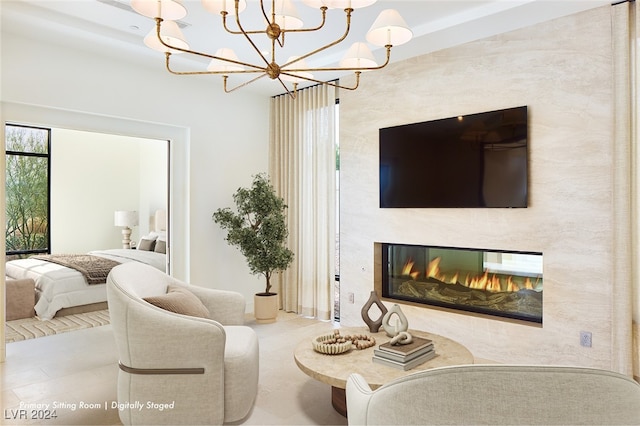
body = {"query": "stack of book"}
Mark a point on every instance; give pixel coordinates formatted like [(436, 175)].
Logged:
[(405, 357)]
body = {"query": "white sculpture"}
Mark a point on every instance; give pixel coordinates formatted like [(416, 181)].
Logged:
[(401, 323)]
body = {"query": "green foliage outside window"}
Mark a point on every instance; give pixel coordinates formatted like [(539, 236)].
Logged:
[(27, 189)]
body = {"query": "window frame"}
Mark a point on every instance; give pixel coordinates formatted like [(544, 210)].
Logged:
[(47, 250)]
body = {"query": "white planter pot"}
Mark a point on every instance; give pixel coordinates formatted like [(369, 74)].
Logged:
[(265, 308)]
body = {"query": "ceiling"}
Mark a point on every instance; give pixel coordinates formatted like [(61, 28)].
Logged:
[(114, 29)]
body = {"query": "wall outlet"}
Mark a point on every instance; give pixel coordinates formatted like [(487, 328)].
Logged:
[(585, 339), (351, 297)]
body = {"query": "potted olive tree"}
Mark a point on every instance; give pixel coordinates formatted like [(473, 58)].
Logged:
[(259, 230)]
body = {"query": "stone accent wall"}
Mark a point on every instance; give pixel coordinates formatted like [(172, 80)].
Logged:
[(562, 70)]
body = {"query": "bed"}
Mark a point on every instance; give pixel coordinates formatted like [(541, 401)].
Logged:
[(61, 287)]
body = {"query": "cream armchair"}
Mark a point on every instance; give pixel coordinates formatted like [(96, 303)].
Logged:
[(497, 395), (176, 368)]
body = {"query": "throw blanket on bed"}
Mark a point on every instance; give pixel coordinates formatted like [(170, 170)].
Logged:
[(94, 268)]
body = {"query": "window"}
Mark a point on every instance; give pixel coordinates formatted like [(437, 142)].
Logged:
[(27, 190)]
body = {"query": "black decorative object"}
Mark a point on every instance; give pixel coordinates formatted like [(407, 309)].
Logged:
[(374, 325)]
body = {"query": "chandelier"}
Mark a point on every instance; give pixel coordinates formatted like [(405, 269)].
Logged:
[(388, 30)]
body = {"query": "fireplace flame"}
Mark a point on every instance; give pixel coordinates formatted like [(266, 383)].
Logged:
[(486, 281), (407, 270), (433, 269)]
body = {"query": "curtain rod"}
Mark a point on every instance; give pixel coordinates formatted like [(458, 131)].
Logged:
[(335, 80)]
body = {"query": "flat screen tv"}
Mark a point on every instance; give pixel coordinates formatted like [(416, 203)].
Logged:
[(470, 161)]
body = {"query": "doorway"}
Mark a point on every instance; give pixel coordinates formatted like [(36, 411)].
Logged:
[(178, 166)]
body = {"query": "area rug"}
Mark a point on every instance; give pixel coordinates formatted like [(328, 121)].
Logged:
[(30, 328)]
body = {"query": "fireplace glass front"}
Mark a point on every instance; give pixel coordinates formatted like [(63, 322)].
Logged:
[(500, 283)]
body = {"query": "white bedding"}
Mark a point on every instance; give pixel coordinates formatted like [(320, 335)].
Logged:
[(60, 287)]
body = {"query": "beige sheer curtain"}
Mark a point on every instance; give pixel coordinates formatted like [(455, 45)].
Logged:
[(626, 158), (302, 169)]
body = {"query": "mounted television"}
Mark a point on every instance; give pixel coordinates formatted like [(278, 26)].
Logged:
[(470, 161)]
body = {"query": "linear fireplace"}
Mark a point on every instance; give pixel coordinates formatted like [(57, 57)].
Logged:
[(499, 283)]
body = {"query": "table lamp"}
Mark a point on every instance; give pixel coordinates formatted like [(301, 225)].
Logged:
[(126, 219)]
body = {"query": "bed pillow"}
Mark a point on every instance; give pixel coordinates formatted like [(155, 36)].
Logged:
[(160, 247), (152, 236), (148, 245), (181, 301)]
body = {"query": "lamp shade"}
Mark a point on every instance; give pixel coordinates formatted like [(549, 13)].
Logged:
[(316, 4), (229, 6), (389, 29), (165, 9), (126, 218), (344, 4), (358, 56), (218, 65), (170, 33), (286, 15)]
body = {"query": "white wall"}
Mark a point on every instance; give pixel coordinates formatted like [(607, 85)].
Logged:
[(153, 177), (218, 140), (562, 70), (95, 174)]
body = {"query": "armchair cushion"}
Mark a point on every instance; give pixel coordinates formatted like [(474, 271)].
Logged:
[(181, 301), (226, 307)]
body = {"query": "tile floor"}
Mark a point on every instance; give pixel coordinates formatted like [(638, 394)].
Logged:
[(81, 366)]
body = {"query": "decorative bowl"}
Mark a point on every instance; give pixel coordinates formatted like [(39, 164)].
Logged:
[(327, 344)]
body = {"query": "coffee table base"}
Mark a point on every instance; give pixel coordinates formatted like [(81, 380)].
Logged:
[(339, 400)]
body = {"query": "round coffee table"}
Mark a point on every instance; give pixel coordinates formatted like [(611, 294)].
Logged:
[(335, 369)]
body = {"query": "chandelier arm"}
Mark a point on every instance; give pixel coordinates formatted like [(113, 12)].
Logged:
[(281, 43), (272, 69), (328, 83), (320, 49), (273, 49), (273, 11), (289, 92), (323, 9), (293, 94), (210, 72), (272, 23), (339, 86), (283, 85), (168, 66), (388, 47), (226, 90), (224, 14), (246, 35), (195, 52)]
